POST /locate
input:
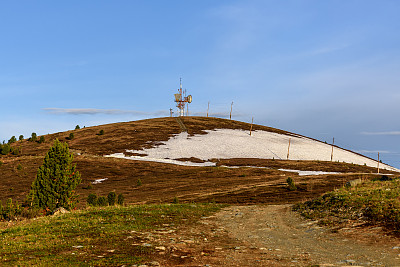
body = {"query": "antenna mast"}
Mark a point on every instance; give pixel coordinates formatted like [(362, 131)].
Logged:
[(182, 100)]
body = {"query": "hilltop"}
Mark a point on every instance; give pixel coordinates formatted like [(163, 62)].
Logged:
[(229, 175)]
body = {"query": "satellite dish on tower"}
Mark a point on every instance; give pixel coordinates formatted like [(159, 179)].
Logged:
[(189, 98)]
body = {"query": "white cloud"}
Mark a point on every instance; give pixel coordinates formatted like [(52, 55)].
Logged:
[(94, 111), (381, 133)]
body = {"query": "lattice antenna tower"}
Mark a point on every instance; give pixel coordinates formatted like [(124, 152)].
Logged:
[(181, 99)]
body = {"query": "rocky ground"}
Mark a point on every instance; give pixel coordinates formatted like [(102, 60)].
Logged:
[(273, 235)]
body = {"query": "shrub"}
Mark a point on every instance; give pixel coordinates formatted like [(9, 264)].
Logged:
[(92, 199), (56, 180), (41, 139), (111, 198), (101, 201), (15, 151), (77, 127), (21, 137), (139, 182), (5, 149), (19, 167), (101, 132), (120, 199), (71, 136), (12, 140), (291, 184), (176, 200), (33, 137)]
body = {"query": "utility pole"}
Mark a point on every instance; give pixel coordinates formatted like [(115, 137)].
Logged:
[(288, 149), (230, 115), (333, 143), (378, 162), (251, 127), (208, 108), (170, 112)]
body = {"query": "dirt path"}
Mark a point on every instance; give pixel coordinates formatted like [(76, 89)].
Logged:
[(281, 237)]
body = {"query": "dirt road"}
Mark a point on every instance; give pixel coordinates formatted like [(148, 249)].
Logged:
[(279, 237)]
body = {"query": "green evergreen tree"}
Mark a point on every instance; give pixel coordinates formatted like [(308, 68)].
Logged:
[(33, 137), (56, 180), (21, 137)]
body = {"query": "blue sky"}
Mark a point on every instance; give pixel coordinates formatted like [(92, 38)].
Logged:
[(319, 68)]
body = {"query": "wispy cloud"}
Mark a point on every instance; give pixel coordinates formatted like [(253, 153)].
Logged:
[(374, 152), (381, 133), (328, 49), (94, 111)]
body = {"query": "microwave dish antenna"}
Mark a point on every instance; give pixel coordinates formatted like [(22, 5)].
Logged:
[(182, 100)]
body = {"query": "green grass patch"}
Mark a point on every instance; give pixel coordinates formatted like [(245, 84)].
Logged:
[(93, 237), (376, 202)]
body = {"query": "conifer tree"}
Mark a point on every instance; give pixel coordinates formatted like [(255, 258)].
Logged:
[(56, 180)]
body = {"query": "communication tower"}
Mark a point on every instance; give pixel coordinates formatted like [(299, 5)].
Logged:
[(182, 100)]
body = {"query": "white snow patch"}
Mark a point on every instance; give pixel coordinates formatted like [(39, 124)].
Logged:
[(99, 181), (305, 173), (171, 161), (229, 143)]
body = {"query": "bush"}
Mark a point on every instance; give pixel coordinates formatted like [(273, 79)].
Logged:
[(101, 132), (5, 149), (120, 199), (21, 137), (15, 151), (12, 140), (101, 201), (10, 211), (291, 184), (139, 182), (92, 199), (33, 137), (77, 127), (41, 139), (176, 200), (19, 167), (111, 198), (71, 136), (56, 180)]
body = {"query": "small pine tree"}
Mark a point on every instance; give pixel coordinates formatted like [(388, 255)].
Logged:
[(41, 139), (71, 136), (21, 137), (101, 132), (33, 137), (111, 198), (77, 127), (139, 182), (5, 149), (92, 199), (12, 140), (102, 201), (291, 184), (56, 180), (120, 199)]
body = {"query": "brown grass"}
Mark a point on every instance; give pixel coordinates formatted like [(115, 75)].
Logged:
[(164, 182)]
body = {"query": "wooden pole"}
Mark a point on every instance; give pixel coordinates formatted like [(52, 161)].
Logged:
[(378, 162), (208, 108), (333, 143), (288, 149), (230, 115), (251, 127)]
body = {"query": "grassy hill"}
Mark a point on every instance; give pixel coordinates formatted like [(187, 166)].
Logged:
[(161, 183)]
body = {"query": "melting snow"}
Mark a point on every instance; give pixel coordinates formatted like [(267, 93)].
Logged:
[(229, 143), (99, 181)]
